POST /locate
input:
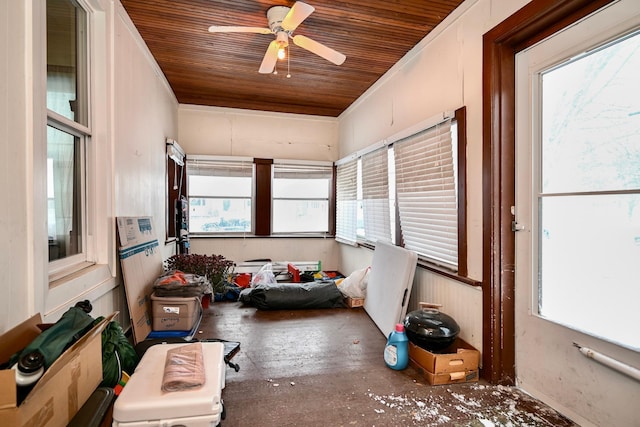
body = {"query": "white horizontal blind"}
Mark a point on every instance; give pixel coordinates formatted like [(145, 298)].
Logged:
[(219, 178), (220, 167), (302, 171), (346, 201), (426, 188), (375, 196)]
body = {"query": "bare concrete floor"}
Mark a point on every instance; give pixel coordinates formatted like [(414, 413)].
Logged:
[(325, 368)]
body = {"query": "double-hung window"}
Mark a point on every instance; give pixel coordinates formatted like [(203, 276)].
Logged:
[(220, 194), (300, 196), (68, 134)]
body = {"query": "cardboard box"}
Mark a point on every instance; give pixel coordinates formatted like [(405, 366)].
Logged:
[(174, 313), (63, 388), (448, 378), (355, 302), (141, 260), (457, 363)]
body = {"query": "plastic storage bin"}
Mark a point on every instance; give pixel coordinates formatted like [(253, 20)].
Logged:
[(143, 403)]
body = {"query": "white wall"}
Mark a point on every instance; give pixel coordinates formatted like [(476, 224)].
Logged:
[(16, 165), (234, 132), (146, 114), (259, 134)]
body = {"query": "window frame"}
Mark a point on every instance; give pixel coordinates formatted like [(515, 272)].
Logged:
[(233, 162), (262, 198), (80, 129), (318, 167)]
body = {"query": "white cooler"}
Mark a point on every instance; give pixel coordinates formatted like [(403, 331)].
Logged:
[(143, 403)]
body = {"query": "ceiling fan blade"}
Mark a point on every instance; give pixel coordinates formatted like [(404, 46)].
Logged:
[(298, 13), (319, 49), (270, 58), (227, 29)]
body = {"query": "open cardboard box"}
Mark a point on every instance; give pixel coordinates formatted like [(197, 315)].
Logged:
[(63, 388), (457, 363)]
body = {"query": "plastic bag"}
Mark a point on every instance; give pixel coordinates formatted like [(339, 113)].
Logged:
[(184, 368), (264, 277), (175, 283), (355, 285)]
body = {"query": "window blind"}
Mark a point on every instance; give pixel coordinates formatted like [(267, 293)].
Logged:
[(302, 171), (213, 177), (220, 167), (346, 201), (375, 196), (426, 192)]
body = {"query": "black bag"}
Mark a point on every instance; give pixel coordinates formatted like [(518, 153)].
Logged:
[(285, 296)]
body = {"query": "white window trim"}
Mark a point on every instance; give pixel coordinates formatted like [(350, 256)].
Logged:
[(91, 280)]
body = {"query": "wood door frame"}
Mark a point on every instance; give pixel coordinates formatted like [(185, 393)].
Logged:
[(529, 25)]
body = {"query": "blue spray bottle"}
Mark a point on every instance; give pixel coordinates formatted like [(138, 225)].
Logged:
[(396, 352)]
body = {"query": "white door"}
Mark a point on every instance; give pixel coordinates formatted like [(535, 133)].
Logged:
[(578, 215)]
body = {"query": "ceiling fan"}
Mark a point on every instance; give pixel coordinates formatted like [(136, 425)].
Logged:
[(283, 21)]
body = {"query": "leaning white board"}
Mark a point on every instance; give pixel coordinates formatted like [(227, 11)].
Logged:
[(389, 287)]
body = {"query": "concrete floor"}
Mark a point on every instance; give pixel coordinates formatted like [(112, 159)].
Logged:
[(326, 368)]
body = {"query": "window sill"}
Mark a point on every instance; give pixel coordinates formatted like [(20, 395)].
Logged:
[(448, 273), (434, 268), (91, 283), (253, 236), (68, 273)]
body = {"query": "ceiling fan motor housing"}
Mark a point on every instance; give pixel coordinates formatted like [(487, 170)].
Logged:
[(275, 15)]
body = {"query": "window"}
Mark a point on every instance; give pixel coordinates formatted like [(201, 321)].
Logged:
[(300, 197), (427, 194), (588, 195), (346, 201), (220, 194), (407, 187), (376, 216), (68, 133)]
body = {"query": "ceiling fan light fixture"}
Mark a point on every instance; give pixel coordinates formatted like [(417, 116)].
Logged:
[(282, 38)]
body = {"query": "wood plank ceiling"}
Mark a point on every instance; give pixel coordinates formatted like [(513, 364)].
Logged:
[(221, 69)]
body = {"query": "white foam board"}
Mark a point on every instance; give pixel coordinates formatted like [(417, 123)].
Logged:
[(389, 287)]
